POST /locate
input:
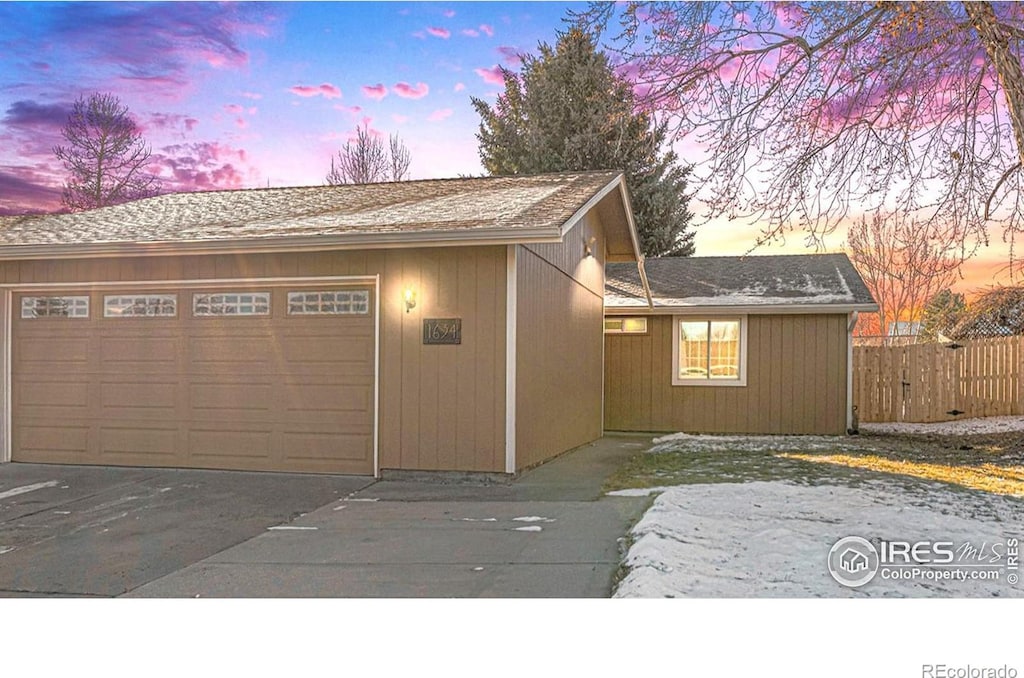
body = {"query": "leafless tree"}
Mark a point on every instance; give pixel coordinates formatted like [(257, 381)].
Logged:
[(105, 155), (366, 160), (904, 263), (816, 111)]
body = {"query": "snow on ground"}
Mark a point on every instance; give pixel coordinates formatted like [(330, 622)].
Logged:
[(771, 539), (686, 442), (961, 427)]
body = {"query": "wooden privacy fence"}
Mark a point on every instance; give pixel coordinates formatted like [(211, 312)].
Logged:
[(938, 382)]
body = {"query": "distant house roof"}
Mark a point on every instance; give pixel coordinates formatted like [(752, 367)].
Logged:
[(800, 282), (904, 328), (497, 210)]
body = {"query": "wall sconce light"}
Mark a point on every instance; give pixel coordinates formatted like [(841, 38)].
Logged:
[(588, 248), (409, 296)]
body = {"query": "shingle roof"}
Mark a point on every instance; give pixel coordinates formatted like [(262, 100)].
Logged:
[(458, 207), (776, 280)]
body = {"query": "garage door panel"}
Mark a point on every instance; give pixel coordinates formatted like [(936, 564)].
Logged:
[(140, 442), (48, 393), (235, 397), (49, 442), (136, 394), (44, 351), (325, 447), (280, 393), (228, 444)]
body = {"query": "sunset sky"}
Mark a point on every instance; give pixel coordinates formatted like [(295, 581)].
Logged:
[(250, 95)]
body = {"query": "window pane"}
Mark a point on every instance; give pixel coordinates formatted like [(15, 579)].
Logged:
[(634, 325), (140, 305), (55, 307), (724, 349), (231, 303), (612, 325), (693, 350), (337, 302)]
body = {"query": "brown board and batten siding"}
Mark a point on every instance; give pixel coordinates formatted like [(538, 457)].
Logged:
[(441, 407), (559, 321), (796, 381)]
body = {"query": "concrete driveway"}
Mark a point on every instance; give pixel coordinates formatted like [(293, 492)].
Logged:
[(155, 533)]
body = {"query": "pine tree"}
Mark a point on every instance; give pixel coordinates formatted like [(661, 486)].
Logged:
[(568, 110), (941, 313)]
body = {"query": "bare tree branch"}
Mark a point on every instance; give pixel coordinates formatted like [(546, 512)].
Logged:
[(366, 160)]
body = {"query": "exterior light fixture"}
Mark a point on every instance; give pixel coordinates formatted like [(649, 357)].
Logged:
[(588, 248), (409, 296)]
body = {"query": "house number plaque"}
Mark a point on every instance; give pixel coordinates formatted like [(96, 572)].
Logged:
[(442, 331)]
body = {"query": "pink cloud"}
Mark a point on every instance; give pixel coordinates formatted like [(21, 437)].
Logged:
[(439, 32), (471, 32), (241, 123), (252, 95), (203, 166), (233, 109), (459, 87), (487, 30), (492, 75), (376, 92), (326, 90), (449, 13), (510, 55), (351, 110), (399, 118), (407, 91), (440, 114)]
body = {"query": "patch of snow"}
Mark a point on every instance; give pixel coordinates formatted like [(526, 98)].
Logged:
[(686, 442), (338, 508), (5, 549), (165, 489), (292, 527), (771, 539), (637, 492), (15, 491), (360, 499), (478, 569), (529, 528), (960, 427), (63, 513), (534, 519), (477, 520)]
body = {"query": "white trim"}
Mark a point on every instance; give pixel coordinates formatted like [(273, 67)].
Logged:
[(590, 204), (750, 309), (6, 340), (850, 325), (623, 330), (193, 282), (704, 383), (510, 360), (376, 379), (7, 310), (317, 243)]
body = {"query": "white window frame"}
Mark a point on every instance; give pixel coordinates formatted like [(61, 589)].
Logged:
[(622, 328), (28, 313), (232, 298), (314, 313), (141, 295), (706, 381)]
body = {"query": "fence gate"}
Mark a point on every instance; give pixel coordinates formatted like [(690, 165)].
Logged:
[(938, 382)]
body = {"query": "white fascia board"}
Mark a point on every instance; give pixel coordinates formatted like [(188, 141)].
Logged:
[(590, 204), (316, 243), (754, 309)]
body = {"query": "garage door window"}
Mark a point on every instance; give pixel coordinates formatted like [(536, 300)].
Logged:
[(54, 307), (231, 303), (334, 302), (140, 306)]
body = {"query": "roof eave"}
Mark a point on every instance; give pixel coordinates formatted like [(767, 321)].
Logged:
[(744, 309), (281, 244)]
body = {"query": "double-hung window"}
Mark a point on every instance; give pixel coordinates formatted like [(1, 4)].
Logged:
[(709, 351)]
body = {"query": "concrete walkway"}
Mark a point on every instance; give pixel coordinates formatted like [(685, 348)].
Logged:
[(550, 533)]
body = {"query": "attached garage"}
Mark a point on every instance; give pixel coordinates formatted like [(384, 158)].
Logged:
[(332, 329), (261, 378)]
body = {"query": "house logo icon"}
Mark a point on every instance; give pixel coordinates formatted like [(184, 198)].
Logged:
[(853, 561)]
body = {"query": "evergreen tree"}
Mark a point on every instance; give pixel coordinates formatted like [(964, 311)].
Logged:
[(569, 110), (941, 313)]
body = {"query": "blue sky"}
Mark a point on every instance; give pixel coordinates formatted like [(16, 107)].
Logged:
[(244, 95)]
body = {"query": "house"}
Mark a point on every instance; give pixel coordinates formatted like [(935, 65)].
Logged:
[(440, 325), (756, 344)]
